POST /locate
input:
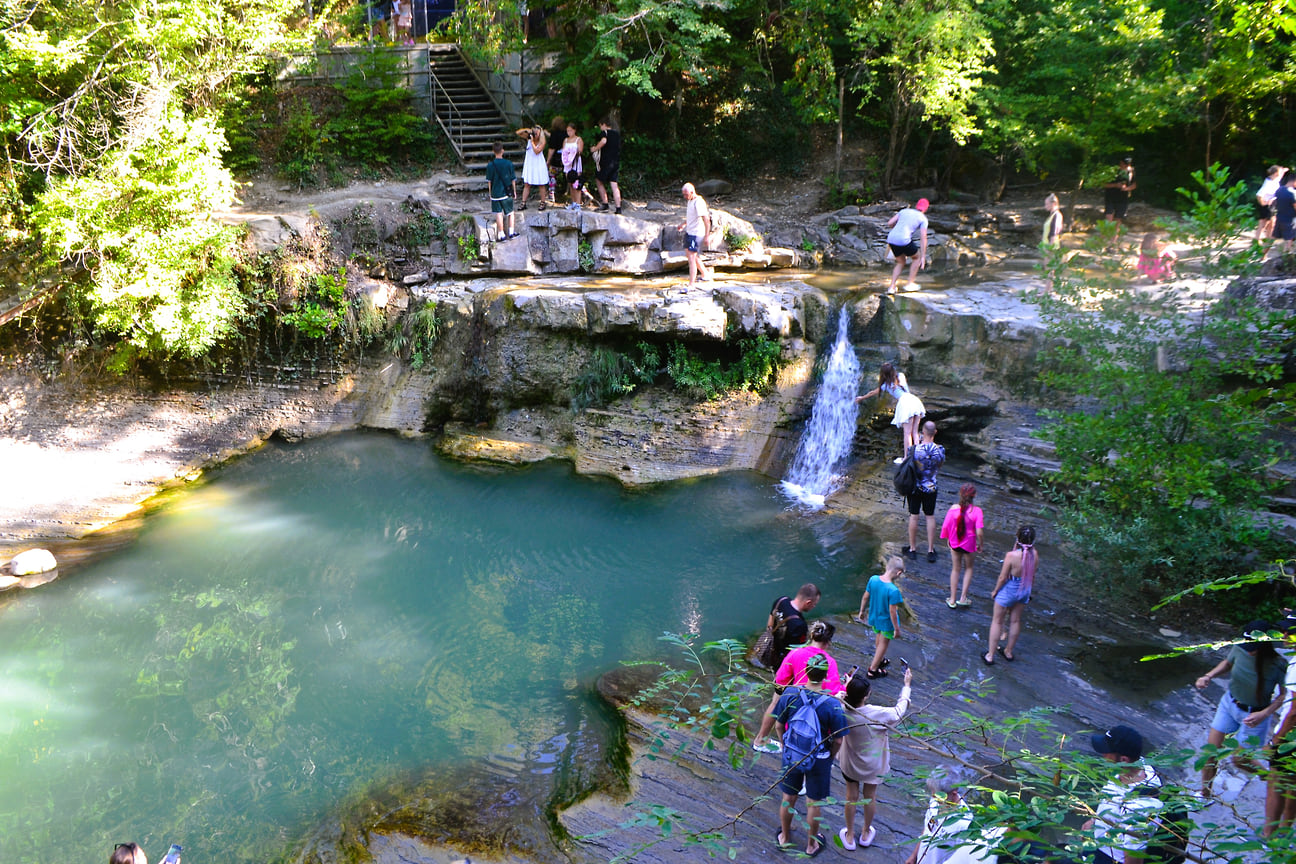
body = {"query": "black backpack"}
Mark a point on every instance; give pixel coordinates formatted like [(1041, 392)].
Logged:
[(907, 474), (1171, 828)]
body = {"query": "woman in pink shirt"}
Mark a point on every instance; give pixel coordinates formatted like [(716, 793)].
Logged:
[(792, 671), (962, 528)]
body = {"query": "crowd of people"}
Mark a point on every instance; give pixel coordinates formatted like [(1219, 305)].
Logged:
[(554, 164), (812, 698), (818, 716)]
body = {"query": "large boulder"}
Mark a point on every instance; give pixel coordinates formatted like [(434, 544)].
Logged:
[(30, 562)]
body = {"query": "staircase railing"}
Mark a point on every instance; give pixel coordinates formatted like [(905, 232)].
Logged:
[(453, 123)]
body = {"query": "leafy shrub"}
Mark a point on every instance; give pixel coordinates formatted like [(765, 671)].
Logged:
[(162, 273), (611, 374), (417, 335), (322, 309), (422, 229), (738, 242), (301, 148), (585, 255), (807, 245), (376, 123), (469, 248), (607, 376)]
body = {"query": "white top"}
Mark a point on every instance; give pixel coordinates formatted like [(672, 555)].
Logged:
[(694, 213), (1125, 805), (938, 844), (1289, 697), (1267, 189), (908, 223)]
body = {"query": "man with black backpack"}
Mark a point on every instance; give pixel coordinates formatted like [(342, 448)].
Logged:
[(929, 457), (812, 725), (1133, 824)]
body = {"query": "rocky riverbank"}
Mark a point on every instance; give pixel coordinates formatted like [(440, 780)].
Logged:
[(84, 458)]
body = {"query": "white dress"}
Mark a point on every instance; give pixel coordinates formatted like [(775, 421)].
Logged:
[(534, 170), (907, 404)]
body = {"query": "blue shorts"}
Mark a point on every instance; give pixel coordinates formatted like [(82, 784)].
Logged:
[(815, 773), (693, 242), (1229, 717), (1285, 229), (909, 250), (1012, 593), (501, 205)]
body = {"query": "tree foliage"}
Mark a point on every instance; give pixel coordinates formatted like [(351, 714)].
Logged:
[(1163, 458), (933, 57), (112, 136)]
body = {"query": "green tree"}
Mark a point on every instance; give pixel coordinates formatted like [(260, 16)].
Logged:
[(112, 109), (1165, 441), (928, 61), (1077, 82), (1237, 63)]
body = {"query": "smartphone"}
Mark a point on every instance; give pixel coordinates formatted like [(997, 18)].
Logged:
[(851, 673), (173, 854), (904, 663)]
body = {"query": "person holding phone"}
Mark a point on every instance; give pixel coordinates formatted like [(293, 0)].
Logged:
[(865, 755)]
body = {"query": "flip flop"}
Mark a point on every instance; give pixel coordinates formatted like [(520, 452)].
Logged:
[(847, 841), (885, 663), (989, 662), (964, 603), (951, 604), (866, 839), (822, 841), (779, 841), (1004, 654), (875, 674)]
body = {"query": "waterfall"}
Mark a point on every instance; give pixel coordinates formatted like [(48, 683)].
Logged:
[(826, 442)]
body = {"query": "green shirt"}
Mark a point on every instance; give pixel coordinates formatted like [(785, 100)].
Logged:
[(1242, 680)]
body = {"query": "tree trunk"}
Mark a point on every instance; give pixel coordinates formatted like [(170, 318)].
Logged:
[(841, 119)]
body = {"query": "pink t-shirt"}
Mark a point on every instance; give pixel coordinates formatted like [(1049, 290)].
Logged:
[(792, 669), (971, 525)]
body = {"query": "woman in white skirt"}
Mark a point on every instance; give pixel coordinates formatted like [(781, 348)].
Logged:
[(909, 409), (534, 170)]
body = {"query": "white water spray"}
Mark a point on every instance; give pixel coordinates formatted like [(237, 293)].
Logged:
[(826, 442)]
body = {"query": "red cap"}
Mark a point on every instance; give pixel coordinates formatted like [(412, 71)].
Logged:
[(922, 205)]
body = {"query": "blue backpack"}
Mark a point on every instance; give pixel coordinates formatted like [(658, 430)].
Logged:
[(803, 738)]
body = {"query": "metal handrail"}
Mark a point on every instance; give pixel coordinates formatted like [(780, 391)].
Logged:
[(448, 125), (490, 93)]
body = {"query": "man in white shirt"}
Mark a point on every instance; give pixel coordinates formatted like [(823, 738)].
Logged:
[(696, 227), (1122, 824), (904, 225)]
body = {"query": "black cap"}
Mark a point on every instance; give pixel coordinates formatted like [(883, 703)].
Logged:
[(1121, 740)]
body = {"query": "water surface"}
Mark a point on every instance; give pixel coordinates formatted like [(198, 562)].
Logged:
[(320, 617)]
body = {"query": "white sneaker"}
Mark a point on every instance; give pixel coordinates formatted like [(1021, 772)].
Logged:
[(898, 460), (847, 841), (866, 839)]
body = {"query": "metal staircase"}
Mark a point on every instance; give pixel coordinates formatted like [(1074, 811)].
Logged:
[(466, 111)]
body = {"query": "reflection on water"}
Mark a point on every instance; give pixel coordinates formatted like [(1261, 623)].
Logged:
[(323, 616)]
